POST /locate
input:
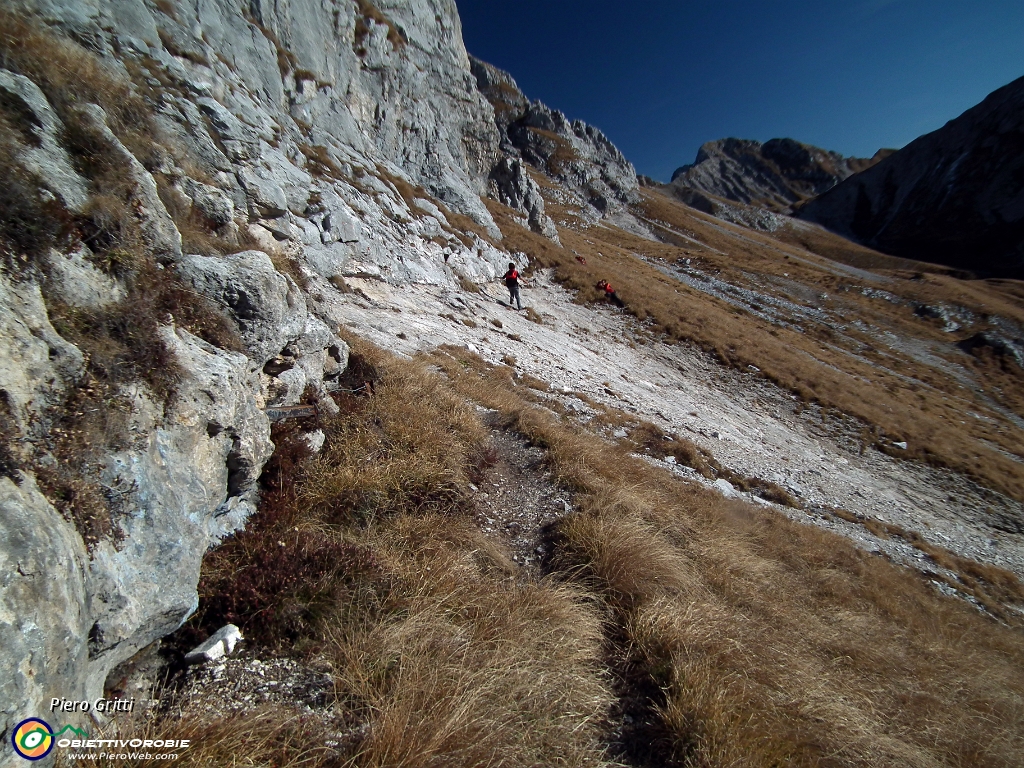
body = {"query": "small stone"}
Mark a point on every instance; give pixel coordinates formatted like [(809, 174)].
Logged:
[(670, 459), (620, 433), (725, 487), (221, 643), (314, 440), (901, 445)]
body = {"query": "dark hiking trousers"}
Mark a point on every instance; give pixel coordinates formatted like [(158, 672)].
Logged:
[(513, 294)]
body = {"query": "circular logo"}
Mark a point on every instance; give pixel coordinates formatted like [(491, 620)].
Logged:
[(32, 739)]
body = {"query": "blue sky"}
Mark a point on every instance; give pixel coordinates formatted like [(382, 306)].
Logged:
[(662, 77)]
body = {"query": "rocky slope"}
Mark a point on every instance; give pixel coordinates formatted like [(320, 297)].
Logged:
[(191, 186), (954, 196), (200, 195), (346, 132), (776, 174)]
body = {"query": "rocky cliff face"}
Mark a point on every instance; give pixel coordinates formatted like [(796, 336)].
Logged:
[(190, 184), (579, 156), (954, 196), (775, 174)]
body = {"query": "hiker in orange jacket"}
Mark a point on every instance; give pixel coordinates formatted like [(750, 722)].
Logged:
[(511, 279), (609, 292)]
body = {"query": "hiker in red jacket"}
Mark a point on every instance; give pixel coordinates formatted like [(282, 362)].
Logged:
[(511, 279), (609, 292)]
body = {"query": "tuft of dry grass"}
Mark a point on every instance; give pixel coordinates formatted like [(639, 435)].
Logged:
[(415, 458), (69, 75), (367, 12), (476, 671)]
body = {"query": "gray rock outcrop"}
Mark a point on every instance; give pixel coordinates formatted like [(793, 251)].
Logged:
[(954, 196), (512, 186), (159, 234), (36, 364), (577, 155), (289, 146), (268, 307), (776, 174), (43, 565), (188, 481), (41, 153)]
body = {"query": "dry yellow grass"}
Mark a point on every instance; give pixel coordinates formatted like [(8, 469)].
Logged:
[(762, 642), (894, 395), (726, 634), (441, 654)]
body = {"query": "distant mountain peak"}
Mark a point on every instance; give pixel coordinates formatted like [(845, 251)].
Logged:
[(776, 174)]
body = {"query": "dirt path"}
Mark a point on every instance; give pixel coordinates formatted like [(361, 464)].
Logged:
[(516, 502), (517, 499)]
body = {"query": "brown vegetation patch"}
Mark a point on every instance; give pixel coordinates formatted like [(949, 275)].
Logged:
[(69, 75), (30, 225), (374, 568), (739, 637), (894, 395), (370, 12), (994, 588)]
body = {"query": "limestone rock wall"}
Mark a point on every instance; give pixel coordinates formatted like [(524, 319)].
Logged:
[(311, 141), (287, 146)]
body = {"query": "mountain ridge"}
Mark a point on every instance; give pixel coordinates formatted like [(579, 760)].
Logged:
[(953, 196), (776, 174)]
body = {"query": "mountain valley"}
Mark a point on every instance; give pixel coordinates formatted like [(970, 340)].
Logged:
[(759, 502)]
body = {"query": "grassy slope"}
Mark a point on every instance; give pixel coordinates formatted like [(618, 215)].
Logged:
[(896, 397), (773, 643), (727, 633)]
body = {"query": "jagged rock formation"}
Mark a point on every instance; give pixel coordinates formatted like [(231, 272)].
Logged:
[(775, 174), (578, 155), (512, 185), (954, 196)]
